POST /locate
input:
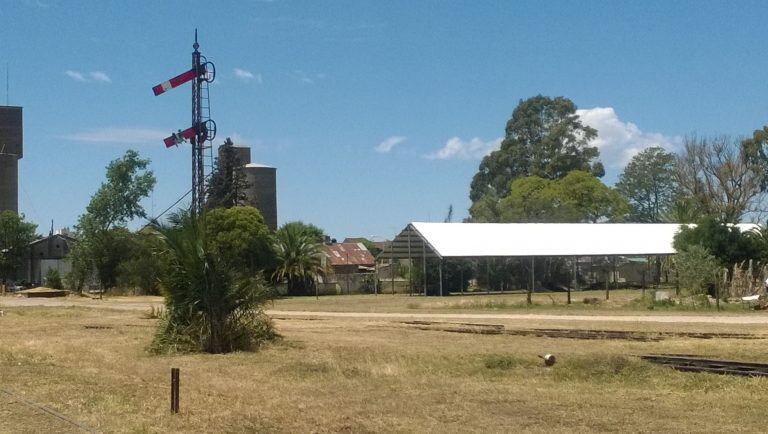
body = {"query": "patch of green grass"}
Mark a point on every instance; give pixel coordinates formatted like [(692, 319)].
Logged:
[(503, 362), (603, 368)]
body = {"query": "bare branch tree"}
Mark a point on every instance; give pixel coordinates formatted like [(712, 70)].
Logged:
[(718, 176)]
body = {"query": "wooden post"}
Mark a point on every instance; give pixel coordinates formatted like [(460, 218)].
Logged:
[(440, 272), (424, 265), (174, 390), (528, 299), (410, 263), (488, 275), (392, 272), (574, 279)]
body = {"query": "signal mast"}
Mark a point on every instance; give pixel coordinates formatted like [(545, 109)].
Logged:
[(203, 129)]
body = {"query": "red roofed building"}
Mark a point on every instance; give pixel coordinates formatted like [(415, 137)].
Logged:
[(347, 258)]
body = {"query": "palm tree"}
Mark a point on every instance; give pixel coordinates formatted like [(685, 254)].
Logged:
[(298, 258), (209, 305)]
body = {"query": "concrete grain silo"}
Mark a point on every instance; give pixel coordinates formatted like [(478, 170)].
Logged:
[(262, 191), (11, 151), (262, 181)]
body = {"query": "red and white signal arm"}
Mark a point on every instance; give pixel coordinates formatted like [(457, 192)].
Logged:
[(179, 137)]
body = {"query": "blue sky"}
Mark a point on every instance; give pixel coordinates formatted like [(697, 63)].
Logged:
[(374, 113)]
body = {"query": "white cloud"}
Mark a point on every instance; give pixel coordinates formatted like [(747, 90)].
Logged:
[(619, 141), (75, 75), (456, 148), (119, 135), (99, 76), (389, 143), (246, 75), (308, 79)]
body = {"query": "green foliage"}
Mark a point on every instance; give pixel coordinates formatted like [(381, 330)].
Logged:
[(15, 234), (210, 305), (298, 257), (117, 201), (577, 197), (544, 138), (725, 242), (240, 236), (315, 233), (371, 247), (103, 241), (227, 185), (697, 269), (648, 183), (53, 279), (144, 262), (592, 200)]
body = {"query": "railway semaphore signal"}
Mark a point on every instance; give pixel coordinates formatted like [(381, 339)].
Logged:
[(203, 128)]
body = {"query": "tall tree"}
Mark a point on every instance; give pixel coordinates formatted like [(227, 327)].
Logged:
[(15, 234), (648, 183), (227, 185), (578, 197), (725, 242), (544, 138), (240, 236), (101, 231), (298, 258), (721, 177)]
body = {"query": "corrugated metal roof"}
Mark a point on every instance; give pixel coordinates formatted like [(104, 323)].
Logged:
[(536, 239), (348, 254)]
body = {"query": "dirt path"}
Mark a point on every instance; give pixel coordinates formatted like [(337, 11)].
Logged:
[(710, 319), (144, 304)]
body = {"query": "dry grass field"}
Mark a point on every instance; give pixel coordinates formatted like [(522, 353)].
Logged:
[(358, 375)]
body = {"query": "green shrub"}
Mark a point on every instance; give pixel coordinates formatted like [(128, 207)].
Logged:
[(697, 269), (210, 306), (53, 279)]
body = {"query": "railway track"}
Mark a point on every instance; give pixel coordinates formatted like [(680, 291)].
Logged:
[(690, 363)]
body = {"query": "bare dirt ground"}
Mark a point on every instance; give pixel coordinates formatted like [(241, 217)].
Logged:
[(144, 303)]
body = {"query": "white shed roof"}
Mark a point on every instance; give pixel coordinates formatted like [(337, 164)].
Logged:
[(538, 239)]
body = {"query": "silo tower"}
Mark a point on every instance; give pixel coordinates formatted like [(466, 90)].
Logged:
[(262, 182), (262, 191), (11, 151)]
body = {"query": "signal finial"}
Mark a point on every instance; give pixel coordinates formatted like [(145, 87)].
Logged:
[(195, 45)]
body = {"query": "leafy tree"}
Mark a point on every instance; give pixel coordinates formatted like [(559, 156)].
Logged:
[(101, 233), (578, 197), (697, 269), (722, 177), (240, 236), (118, 200), (648, 183), (210, 305), (144, 263), (298, 257), (371, 247), (15, 234), (725, 242), (316, 234), (532, 199), (486, 209), (592, 200), (227, 185), (544, 138)]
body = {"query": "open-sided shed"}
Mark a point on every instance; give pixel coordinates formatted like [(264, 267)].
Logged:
[(440, 241)]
